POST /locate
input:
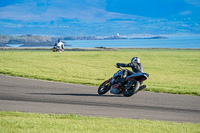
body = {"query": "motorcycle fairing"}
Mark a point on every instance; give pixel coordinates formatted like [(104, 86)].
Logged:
[(119, 73), (138, 76)]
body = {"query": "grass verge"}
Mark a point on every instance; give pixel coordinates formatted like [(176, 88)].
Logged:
[(51, 123), (171, 71)]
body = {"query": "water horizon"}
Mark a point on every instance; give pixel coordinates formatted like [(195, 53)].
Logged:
[(185, 42), (171, 42)]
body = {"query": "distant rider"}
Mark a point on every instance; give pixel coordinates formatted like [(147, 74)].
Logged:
[(136, 67), (60, 45)]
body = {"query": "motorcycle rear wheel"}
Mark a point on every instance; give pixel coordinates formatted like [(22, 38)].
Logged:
[(130, 91), (104, 89)]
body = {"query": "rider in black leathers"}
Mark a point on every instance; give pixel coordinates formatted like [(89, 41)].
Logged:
[(136, 67)]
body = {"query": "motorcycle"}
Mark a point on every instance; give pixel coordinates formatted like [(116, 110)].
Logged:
[(57, 49), (131, 84)]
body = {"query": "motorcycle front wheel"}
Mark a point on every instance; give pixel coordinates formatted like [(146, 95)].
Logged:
[(104, 88), (130, 91)]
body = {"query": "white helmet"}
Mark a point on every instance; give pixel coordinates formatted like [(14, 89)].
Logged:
[(135, 59)]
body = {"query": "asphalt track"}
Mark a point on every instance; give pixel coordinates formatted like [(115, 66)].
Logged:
[(29, 95)]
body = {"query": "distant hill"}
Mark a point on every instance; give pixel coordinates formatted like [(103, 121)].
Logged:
[(35, 41), (26, 40), (99, 17), (38, 41)]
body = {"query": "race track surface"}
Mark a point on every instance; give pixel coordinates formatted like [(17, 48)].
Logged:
[(29, 95)]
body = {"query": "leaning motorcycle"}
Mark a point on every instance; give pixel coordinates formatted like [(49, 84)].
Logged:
[(57, 49), (131, 84)]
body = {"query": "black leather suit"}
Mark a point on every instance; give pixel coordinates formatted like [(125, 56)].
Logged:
[(136, 67)]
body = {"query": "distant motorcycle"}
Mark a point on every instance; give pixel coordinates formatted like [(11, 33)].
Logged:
[(131, 84), (56, 49)]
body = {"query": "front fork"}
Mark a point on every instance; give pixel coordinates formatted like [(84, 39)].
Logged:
[(106, 82)]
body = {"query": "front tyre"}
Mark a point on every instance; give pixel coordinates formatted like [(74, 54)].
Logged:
[(130, 91), (104, 88)]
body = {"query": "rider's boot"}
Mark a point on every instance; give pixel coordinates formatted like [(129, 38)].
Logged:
[(142, 87)]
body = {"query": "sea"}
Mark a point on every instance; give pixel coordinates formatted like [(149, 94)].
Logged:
[(181, 41), (192, 41)]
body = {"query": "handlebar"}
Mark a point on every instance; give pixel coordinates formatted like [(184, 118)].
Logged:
[(118, 67)]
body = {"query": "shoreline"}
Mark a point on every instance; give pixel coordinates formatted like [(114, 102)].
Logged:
[(89, 49)]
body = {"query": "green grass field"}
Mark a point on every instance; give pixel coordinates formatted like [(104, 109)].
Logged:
[(171, 71), (15, 122)]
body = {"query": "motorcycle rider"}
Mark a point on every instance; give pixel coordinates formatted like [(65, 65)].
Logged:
[(136, 67), (60, 45)]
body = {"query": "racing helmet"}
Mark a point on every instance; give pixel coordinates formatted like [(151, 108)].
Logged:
[(135, 59)]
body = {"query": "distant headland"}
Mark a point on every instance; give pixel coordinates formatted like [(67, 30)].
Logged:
[(37, 41)]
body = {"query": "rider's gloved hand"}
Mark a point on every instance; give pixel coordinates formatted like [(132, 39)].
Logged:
[(118, 65)]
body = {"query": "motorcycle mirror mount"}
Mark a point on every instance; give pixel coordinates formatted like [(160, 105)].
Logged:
[(118, 67)]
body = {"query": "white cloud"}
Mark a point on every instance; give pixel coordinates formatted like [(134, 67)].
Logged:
[(194, 2), (185, 13)]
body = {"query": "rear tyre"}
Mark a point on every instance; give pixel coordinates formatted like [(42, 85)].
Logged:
[(103, 89), (130, 91)]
